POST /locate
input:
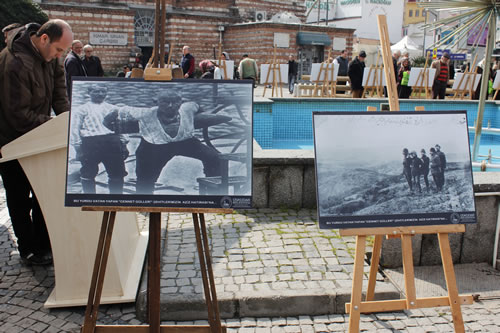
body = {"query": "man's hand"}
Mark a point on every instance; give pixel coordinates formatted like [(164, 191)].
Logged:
[(186, 75)]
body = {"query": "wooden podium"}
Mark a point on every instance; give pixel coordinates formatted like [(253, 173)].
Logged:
[(74, 234)]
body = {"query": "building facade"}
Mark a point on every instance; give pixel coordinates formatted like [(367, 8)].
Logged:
[(120, 29)]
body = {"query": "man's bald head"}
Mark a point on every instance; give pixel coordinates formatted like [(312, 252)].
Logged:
[(53, 39)]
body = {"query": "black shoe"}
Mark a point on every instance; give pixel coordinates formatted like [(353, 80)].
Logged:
[(37, 260)]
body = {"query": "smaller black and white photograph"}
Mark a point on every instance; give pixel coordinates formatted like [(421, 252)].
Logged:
[(393, 169), (183, 143)]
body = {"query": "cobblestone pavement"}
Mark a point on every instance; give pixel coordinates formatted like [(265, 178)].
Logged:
[(258, 250), (291, 261)]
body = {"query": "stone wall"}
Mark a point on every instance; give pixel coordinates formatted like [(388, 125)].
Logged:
[(85, 20), (189, 22), (257, 40)]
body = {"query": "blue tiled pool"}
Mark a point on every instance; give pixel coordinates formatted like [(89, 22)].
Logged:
[(287, 123)]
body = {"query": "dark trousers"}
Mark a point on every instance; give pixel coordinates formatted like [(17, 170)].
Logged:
[(442, 178), (291, 82), (30, 229), (426, 179), (439, 89), (357, 93), (108, 150), (404, 91), (416, 182), (151, 159), (407, 174), (438, 180)]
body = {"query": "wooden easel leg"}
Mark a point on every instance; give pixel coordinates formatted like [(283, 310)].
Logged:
[(207, 272), (97, 282), (154, 272), (372, 280), (409, 273), (451, 282), (357, 285)]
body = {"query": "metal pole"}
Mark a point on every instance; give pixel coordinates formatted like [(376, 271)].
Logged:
[(326, 14), (490, 44), (425, 32), (319, 4)]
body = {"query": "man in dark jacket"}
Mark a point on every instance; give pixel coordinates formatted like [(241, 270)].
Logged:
[(293, 67), (424, 170), (31, 83), (355, 72), (73, 64), (442, 158), (92, 63), (187, 63), (343, 63)]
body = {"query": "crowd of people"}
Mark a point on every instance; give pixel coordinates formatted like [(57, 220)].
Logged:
[(415, 168)]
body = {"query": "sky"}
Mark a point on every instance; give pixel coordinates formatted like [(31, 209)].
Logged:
[(374, 138)]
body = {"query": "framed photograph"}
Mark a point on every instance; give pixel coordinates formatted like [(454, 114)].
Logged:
[(182, 143), (384, 169)]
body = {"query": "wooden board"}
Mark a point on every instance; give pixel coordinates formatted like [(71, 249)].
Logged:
[(414, 75), (229, 68), (264, 69), (465, 83), (73, 233), (374, 78), (318, 74)]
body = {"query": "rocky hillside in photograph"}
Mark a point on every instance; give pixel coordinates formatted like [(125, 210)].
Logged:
[(383, 190)]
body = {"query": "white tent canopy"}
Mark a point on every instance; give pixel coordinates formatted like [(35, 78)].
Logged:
[(407, 45)]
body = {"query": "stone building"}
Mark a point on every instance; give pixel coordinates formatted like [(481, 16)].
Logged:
[(118, 29)]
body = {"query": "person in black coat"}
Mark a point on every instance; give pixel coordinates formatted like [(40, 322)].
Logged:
[(416, 164), (293, 67), (91, 62), (407, 168), (73, 64), (424, 170), (355, 72)]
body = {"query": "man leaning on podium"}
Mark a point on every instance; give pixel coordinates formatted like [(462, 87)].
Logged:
[(31, 84)]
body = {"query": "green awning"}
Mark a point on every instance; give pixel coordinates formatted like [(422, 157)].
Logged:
[(311, 38)]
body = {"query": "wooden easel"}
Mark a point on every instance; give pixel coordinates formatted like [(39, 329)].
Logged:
[(377, 86), (466, 87), (422, 81), (156, 72), (275, 68), (154, 272), (222, 63), (326, 87), (356, 306)]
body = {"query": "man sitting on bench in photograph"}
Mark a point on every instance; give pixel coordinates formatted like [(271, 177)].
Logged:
[(167, 130)]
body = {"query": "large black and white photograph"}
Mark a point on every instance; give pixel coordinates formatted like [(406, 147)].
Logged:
[(393, 169), (183, 143)]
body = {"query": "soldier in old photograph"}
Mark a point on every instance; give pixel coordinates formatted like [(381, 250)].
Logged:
[(95, 143), (415, 166), (424, 170), (436, 170), (442, 158), (407, 168)]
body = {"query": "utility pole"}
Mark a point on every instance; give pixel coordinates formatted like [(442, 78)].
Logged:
[(319, 4), (327, 5)]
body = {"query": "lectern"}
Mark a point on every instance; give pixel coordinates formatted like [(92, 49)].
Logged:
[(73, 233)]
